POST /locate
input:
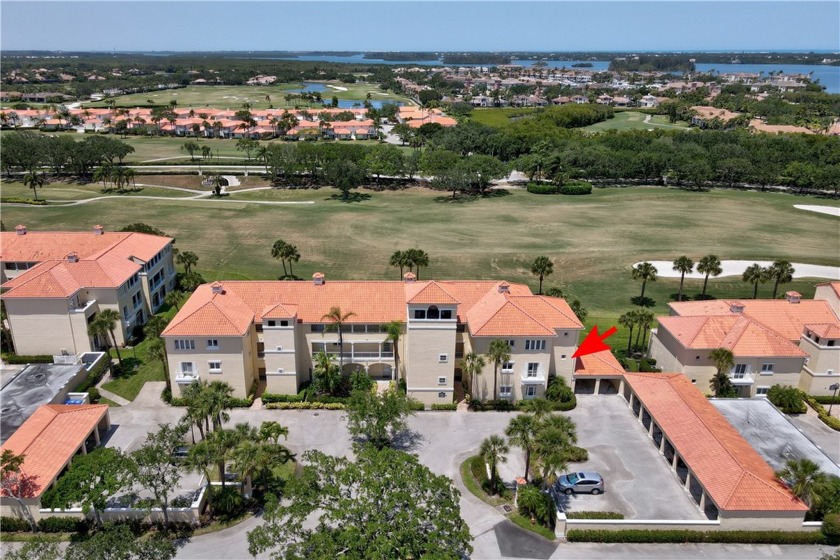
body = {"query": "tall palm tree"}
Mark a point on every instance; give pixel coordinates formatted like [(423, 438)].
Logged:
[(498, 353), (278, 250), (494, 450), (218, 396), (157, 351), (646, 272), (173, 299), (34, 181), (644, 319), (804, 478), (542, 267), (724, 360), (709, 265), (521, 432), (291, 254), (781, 272), (755, 274), (472, 365), (103, 173), (198, 406), (271, 431), (188, 259), (399, 259), (327, 374), (393, 331), (683, 265), (628, 320), (555, 435), (418, 258), (105, 323), (337, 319)]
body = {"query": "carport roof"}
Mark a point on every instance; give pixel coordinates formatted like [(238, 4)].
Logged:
[(732, 473), (598, 364)]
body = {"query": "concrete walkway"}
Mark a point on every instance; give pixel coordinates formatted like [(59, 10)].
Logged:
[(113, 397)]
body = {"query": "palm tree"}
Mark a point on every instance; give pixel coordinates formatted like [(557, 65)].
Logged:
[(263, 153), (157, 351), (155, 325), (520, 432), (197, 406), (399, 259), (418, 258), (278, 251), (644, 319), (644, 271), (34, 181), (188, 259), (755, 274), (804, 478), (272, 431), (291, 254), (555, 435), (494, 450), (338, 318), (105, 323), (498, 353), (173, 299), (393, 332), (683, 265), (472, 365), (218, 394), (103, 173), (542, 267), (327, 375), (709, 265), (628, 320), (724, 360), (781, 272)]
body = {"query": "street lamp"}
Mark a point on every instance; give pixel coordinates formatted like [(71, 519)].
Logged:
[(834, 388)]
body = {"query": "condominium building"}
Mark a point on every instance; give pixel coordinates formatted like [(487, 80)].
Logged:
[(243, 332), (787, 341), (54, 284)]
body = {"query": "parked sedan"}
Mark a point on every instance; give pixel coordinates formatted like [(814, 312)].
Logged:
[(580, 482)]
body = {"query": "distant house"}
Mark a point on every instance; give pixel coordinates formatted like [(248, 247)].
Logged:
[(704, 114)]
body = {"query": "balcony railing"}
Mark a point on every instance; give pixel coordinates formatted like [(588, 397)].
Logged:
[(741, 378), (186, 377), (358, 355)]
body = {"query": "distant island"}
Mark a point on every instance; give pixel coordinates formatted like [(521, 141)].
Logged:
[(476, 58), (582, 65), (392, 56), (652, 63)]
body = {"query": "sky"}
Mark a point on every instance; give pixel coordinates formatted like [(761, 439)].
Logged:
[(419, 26)]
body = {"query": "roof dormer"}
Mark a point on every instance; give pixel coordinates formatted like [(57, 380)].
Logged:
[(318, 278)]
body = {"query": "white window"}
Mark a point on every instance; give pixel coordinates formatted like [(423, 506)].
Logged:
[(762, 391), (443, 358), (766, 369), (511, 343), (739, 370), (562, 356), (505, 390), (184, 345), (535, 345), (187, 368), (442, 395), (533, 369), (442, 380), (531, 391), (212, 344), (507, 367), (214, 366)]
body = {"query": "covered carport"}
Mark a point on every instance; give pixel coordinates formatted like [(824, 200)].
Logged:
[(598, 374), (726, 477)]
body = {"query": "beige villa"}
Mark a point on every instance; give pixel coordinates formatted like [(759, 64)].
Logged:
[(244, 332), (54, 284), (787, 341)]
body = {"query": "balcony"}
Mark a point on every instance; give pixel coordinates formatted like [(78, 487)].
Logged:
[(186, 377), (741, 378), (356, 356), (538, 379), (82, 307)]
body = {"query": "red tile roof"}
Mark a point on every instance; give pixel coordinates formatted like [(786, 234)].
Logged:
[(785, 318), (36, 246), (505, 314), (427, 292), (598, 364), (51, 436), (734, 475), (740, 334), (825, 330)]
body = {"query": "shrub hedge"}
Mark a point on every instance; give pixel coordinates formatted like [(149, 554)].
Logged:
[(827, 399), (63, 525), (19, 200), (504, 405), (578, 187), (686, 536), (304, 406), (94, 376), (447, 406), (93, 395), (594, 515), (577, 455), (416, 405), (32, 359), (13, 524), (275, 398), (831, 528), (830, 421), (541, 188), (788, 399)]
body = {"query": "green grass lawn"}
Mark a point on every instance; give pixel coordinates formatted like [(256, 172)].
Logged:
[(499, 117), (60, 191), (634, 120), (233, 97), (593, 240)]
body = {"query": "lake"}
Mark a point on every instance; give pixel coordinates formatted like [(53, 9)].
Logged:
[(327, 93)]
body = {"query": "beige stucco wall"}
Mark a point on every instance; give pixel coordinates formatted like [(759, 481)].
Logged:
[(426, 340), (828, 294), (762, 521), (235, 353), (285, 358), (821, 358), (47, 326)]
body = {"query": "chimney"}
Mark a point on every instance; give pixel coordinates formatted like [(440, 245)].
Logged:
[(409, 277), (21, 229), (98, 230), (217, 288), (504, 288), (73, 257), (318, 278), (793, 297), (736, 306)]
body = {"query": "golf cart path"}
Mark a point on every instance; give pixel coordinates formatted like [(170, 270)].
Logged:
[(830, 210)]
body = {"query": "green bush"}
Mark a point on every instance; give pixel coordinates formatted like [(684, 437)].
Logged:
[(275, 398), (63, 525), (830, 421), (19, 200), (32, 359), (94, 376), (826, 399), (227, 502), (304, 406), (93, 395), (579, 187), (576, 454), (416, 405), (787, 398), (235, 402), (558, 390), (686, 536), (831, 528), (594, 515), (541, 188), (447, 406), (13, 524)]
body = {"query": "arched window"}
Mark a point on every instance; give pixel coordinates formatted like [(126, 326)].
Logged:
[(433, 313)]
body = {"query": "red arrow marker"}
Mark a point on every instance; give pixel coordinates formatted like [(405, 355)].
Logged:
[(594, 342)]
